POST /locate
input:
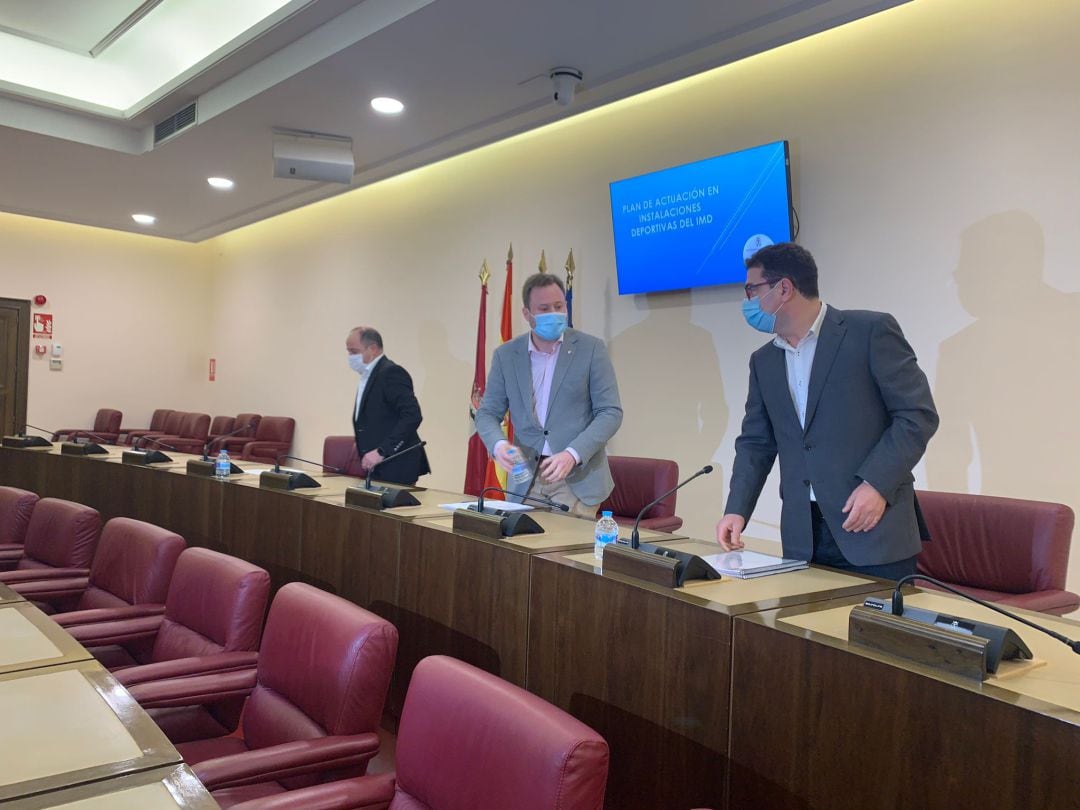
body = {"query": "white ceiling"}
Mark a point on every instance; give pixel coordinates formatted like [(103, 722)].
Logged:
[(460, 66), (77, 27)]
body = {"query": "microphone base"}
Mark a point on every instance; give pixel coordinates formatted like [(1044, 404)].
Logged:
[(656, 564), (144, 457), (286, 480), (379, 497), (495, 524), (205, 469), (76, 449), (26, 441)]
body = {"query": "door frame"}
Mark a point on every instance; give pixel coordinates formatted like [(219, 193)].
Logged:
[(22, 362)]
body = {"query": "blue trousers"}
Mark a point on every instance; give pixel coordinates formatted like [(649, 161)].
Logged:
[(826, 552)]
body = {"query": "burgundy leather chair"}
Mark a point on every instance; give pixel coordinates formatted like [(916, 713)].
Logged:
[(323, 673), (220, 425), (1004, 550), (470, 741), (60, 541), (106, 426), (234, 423), (273, 437), (340, 452), (172, 426), (213, 619), (16, 506), (129, 576), (157, 425), (638, 482), (191, 437)]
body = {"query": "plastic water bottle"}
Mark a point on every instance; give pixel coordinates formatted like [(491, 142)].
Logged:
[(222, 466), (520, 474), (607, 531)]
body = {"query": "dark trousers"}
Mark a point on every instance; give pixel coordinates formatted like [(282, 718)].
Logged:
[(826, 552)]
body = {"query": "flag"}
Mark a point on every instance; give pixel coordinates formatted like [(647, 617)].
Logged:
[(477, 462), (570, 289), (496, 475)]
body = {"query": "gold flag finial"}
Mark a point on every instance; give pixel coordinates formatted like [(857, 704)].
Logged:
[(510, 253), (484, 274), (543, 262), (570, 266)]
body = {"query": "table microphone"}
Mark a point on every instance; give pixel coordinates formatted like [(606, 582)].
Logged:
[(562, 507), (216, 439), (367, 481), (277, 463), (37, 441), (634, 539), (153, 456)]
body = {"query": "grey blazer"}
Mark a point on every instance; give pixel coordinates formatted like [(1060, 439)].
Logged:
[(869, 417), (584, 411)]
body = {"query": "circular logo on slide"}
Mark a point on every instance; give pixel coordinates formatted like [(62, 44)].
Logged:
[(754, 244)]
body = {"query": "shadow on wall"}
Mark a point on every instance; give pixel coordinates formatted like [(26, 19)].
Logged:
[(671, 388), (1007, 383)]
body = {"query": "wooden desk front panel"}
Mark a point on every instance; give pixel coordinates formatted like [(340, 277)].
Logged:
[(263, 527), (842, 729), (189, 505)]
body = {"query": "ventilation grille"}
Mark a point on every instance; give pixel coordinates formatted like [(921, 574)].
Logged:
[(174, 124)]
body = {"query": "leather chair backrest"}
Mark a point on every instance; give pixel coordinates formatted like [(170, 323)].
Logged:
[(173, 422), (276, 429), (248, 419), (340, 452), (107, 421), (159, 419), (468, 739), (133, 565), (638, 481), (195, 426), (999, 544), (216, 603), (16, 506), (324, 668), (222, 425), (61, 534)]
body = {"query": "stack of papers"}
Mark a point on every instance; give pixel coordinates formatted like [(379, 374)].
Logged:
[(489, 503), (749, 564)]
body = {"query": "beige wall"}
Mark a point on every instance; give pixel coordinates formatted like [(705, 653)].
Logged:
[(936, 175)]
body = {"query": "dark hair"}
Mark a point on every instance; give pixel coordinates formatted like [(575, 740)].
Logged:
[(539, 280), (368, 336), (790, 261)]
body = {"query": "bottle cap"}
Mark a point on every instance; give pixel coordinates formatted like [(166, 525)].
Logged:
[(605, 513)]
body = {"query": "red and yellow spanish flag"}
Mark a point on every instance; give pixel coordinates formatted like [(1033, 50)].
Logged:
[(477, 463), (496, 476)]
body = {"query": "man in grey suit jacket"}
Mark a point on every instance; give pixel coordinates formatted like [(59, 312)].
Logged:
[(559, 386), (840, 397)]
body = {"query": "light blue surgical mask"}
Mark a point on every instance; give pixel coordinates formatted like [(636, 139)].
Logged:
[(757, 317), (357, 364), (550, 325)]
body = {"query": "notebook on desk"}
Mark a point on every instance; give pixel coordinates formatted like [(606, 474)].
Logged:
[(747, 564)]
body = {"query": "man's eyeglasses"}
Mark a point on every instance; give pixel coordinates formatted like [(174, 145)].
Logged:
[(749, 288)]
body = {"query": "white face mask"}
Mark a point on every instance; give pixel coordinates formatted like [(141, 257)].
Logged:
[(357, 364)]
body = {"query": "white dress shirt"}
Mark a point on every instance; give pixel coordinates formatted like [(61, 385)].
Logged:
[(800, 361), (365, 375)]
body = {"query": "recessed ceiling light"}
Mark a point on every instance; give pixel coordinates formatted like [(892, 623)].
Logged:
[(387, 106), (144, 219), (221, 183)]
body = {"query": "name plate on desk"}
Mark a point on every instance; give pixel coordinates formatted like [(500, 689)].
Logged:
[(495, 524), (143, 457), (379, 497), (656, 564), (76, 449), (26, 441)]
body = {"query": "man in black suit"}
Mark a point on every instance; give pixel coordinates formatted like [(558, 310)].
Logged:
[(385, 412)]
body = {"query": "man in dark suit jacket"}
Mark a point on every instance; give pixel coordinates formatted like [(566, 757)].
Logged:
[(840, 397), (385, 412)]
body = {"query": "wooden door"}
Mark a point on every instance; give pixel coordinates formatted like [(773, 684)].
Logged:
[(14, 363)]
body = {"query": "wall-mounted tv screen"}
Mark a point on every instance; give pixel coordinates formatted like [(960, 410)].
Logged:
[(695, 225)]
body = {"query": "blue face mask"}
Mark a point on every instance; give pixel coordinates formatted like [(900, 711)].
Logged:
[(550, 325), (757, 317)]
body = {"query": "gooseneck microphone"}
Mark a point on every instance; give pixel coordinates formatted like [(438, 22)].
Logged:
[(634, 538), (38, 429), (562, 507), (158, 442), (211, 442), (277, 463), (898, 608), (367, 481)]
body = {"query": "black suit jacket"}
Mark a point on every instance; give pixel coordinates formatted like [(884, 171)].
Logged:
[(387, 421)]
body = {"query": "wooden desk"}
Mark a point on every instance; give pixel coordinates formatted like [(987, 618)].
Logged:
[(8, 596), (69, 725), (29, 639), (841, 726), (159, 789), (650, 667)]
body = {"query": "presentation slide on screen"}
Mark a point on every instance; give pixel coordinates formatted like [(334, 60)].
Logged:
[(694, 225)]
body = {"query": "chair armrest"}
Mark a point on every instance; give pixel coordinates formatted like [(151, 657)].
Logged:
[(188, 667), (74, 618), (40, 574), (670, 523), (46, 589), (286, 760), (234, 445), (198, 690), (124, 631), (363, 793)]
